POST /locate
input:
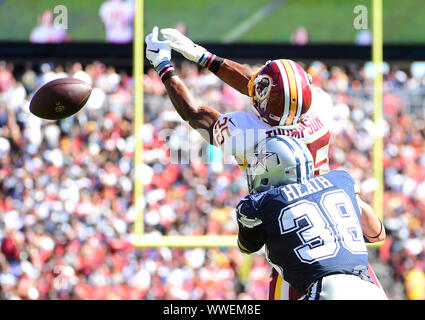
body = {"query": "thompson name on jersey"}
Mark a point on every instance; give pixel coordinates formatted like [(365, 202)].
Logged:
[(237, 133)]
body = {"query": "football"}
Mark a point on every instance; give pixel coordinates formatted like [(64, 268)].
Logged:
[(60, 98)]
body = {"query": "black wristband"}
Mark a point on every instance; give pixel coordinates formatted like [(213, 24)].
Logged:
[(168, 75), (211, 62), (165, 70), (215, 64)]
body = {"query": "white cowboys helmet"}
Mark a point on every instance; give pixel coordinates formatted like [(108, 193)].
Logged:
[(278, 161)]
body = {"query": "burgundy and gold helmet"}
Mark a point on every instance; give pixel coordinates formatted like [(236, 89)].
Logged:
[(280, 92)]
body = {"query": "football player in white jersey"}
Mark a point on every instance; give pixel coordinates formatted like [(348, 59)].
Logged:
[(284, 101)]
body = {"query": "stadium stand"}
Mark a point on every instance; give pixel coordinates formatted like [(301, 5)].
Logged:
[(67, 189)]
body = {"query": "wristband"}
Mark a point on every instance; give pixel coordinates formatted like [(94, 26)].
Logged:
[(380, 231), (165, 70), (210, 61)]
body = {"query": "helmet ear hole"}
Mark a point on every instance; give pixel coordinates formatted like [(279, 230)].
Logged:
[(265, 181)]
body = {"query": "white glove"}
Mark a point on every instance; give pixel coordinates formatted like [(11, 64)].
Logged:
[(157, 50), (183, 44)]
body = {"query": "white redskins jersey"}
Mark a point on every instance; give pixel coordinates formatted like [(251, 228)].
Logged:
[(237, 133)]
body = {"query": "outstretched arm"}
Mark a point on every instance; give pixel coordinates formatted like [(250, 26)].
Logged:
[(201, 118), (235, 75), (231, 72)]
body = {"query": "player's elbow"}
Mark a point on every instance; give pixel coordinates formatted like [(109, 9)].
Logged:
[(382, 237), (248, 247), (372, 240), (372, 226), (373, 229), (245, 250)]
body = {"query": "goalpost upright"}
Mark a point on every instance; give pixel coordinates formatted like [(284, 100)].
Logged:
[(141, 240), (138, 70), (378, 147)]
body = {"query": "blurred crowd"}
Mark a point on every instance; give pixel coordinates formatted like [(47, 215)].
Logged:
[(66, 187), (116, 15)]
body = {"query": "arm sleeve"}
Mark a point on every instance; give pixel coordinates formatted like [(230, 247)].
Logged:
[(251, 235)]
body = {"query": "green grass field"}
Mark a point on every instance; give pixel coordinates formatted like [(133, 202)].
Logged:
[(328, 21)]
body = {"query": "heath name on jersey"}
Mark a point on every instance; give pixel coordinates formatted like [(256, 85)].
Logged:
[(237, 133)]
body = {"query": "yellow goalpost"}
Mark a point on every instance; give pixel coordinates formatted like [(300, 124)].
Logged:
[(378, 147), (142, 240), (138, 70), (145, 241)]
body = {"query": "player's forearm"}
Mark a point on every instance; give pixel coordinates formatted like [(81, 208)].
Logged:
[(199, 117), (180, 97), (158, 52), (372, 226), (231, 72), (235, 75)]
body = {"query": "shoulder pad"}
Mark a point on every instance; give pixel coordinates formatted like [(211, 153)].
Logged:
[(246, 214)]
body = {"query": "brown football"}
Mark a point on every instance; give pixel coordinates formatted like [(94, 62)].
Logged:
[(60, 98)]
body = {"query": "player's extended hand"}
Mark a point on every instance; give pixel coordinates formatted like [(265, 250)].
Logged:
[(157, 50), (183, 44)]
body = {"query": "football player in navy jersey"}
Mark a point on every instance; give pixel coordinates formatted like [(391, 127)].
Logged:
[(314, 228)]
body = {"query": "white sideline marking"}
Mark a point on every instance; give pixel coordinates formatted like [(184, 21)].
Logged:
[(251, 21)]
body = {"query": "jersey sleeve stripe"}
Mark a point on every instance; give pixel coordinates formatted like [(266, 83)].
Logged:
[(242, 248)]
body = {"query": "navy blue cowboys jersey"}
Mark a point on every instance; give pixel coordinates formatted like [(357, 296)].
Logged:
[(310, 230)]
